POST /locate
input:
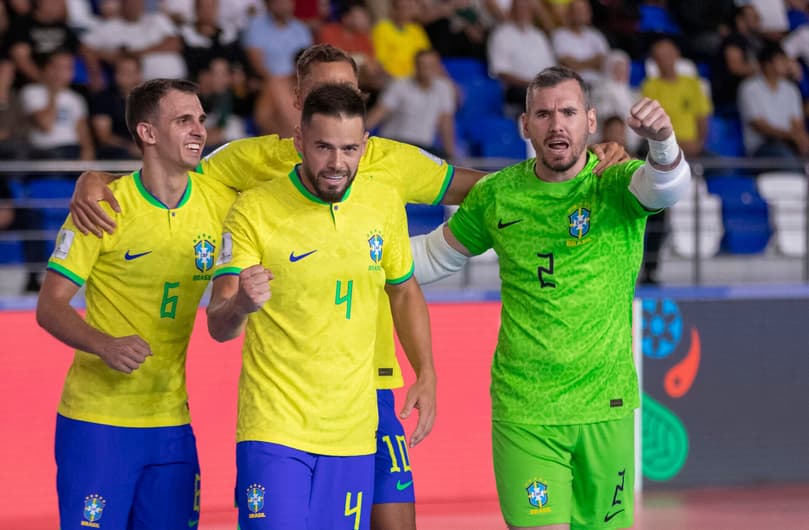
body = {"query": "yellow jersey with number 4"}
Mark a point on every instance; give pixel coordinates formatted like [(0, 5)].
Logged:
[(307, 377), (417, 176), (145, 279)]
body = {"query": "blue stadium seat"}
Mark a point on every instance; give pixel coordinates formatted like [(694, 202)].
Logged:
[(725, 136), (501, 138), (637, 72), (481, 97), (423, 218), (11, 251), (463, 69), (745, 214), (52, 216), (657, 19)]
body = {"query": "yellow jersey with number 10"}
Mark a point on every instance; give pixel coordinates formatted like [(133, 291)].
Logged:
[(145, 279), (307, 377), (417, 176)]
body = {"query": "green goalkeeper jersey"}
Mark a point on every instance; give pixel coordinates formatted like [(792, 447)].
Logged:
[(569, 256)]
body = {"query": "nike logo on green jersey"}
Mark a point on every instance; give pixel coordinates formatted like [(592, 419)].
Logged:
[(610, 516), (402, 487), (501, 225)]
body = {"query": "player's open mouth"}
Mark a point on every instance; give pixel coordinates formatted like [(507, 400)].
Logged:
[(337, 177), (194, 147), (558, 145)]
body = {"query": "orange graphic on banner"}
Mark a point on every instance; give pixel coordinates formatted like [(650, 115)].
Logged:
[(679, 378)]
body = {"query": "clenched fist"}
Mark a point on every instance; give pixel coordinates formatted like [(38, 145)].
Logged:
[(648, 119), (254, 288)]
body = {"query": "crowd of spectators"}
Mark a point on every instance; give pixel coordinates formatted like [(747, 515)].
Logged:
[(66, 66)]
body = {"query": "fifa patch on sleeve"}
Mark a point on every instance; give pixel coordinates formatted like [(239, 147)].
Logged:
[(226, 254), (64, 240), (438, 161)]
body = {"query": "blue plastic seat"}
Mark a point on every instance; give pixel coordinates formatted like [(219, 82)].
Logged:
[(463, 69), (481, 97), (745, 214), (423, 218), (725, 136), (57, 191)]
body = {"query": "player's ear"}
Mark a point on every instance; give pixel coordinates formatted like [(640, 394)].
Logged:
[(297, 139), (524, 125), (592, 121), (146, 133)]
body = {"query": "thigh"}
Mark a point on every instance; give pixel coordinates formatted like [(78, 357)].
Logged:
[(97, 468), (342, 490), (604, 473), (273, 486), (393, 479), (168, 493), (533, 473)]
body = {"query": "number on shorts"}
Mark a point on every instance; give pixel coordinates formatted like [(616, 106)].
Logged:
[(339, 298), (401, 443), (355, 510), (168, 308)]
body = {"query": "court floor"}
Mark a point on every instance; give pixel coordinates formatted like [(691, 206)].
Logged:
[(781, 507)]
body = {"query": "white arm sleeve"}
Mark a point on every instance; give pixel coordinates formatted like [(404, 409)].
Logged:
[(656, 189), (434, 258)]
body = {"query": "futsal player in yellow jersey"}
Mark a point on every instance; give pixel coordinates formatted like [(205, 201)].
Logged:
[(418, 177), (125, 451), (330, 244)]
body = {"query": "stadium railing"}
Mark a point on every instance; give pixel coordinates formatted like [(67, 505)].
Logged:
[(754, 226)]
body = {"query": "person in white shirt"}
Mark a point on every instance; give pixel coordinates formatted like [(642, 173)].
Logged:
[(517, 51), (771, 109), (579, 45), (414, 109), (152, 37)]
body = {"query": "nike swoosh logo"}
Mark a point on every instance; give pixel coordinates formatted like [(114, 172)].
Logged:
[(192, 524), (293, 258), (402, 487), (501, 225), (610, 516), (130, 257)]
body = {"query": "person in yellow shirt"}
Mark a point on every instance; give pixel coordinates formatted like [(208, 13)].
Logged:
[(125, 451), (417, 177), (305, 260), (398, 39)]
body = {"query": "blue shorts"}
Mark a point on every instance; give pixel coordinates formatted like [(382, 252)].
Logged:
[(281, 488), (393, 480), (125, 477)]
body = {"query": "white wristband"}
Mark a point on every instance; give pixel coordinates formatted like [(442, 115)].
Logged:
[(664, 152)]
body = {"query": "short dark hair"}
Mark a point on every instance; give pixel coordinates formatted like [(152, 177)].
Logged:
[(321, 53), (333, 100), (769, 52), (556, 75), (143, 103)]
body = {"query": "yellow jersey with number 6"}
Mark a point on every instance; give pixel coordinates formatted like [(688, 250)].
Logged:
[(145, 279)]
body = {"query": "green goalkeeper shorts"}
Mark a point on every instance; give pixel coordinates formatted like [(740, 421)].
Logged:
[(582, 475)]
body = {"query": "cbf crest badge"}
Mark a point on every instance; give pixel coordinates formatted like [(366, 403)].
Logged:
[(93, 510), (255, 501), (579, 222), (537, 496), (375, 243), (203, 252)]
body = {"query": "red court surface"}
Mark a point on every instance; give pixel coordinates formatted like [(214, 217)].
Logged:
[(454, 481)]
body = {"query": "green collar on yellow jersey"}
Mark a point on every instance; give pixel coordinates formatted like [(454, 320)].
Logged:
[(296, 181), (154, 201)]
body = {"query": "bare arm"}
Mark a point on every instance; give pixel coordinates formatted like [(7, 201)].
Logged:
[(462, 181), (256, 59), (412, 321), (376, 115), (233, 298), (21, 55), (92, 187), (737, 62), (446, 129), (85, 140), (169, 44), (56, 316)]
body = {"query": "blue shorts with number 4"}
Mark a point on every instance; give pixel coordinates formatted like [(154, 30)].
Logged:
[(393, 480), (127, 478), (281, 488)]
